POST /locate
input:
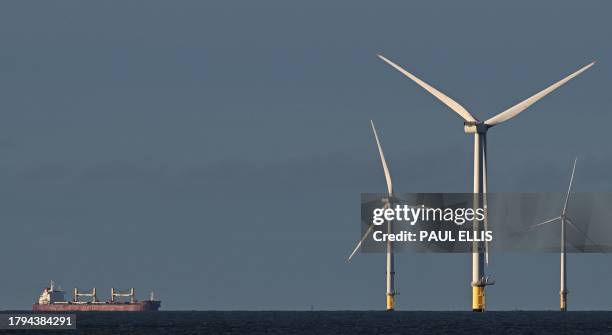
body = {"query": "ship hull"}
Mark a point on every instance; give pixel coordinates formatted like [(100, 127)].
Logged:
[(140, 306)]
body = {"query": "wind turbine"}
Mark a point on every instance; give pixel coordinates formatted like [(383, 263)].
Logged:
[(563, 219), (479, 129), (387, 204)]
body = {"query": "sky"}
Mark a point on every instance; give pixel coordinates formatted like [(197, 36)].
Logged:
[(215, 152)]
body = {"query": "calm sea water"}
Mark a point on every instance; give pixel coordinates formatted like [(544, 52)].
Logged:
[(340, 323)]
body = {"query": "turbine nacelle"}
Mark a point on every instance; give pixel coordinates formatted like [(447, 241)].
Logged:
[(473, 127)]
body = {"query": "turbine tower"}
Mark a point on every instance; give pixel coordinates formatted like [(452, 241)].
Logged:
[(479, 129), (563, 219), (390, 274)]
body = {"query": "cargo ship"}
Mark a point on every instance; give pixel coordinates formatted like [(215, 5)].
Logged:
[(52, 300)]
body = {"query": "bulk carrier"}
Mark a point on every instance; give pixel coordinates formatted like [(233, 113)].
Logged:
[(52, 300)]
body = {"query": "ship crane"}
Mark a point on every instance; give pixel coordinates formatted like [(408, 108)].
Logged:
[(131, 294), (91, 294)]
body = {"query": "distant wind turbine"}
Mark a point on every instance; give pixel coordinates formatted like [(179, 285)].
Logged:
[(479, 129), (563, 219), (387, 204)]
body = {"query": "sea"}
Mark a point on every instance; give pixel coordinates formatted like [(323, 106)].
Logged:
[(337, 322)]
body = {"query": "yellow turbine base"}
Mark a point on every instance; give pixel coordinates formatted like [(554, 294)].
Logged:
[(563, 304), (390, 302), (478, 298)]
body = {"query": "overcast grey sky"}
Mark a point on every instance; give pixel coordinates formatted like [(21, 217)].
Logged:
[(216, 151)]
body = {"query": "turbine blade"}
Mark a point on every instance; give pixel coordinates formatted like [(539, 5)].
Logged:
[(570, 187), (365, 235), (584, 234), (544, 223), (452, 104), (383, 161), (518, 108)]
